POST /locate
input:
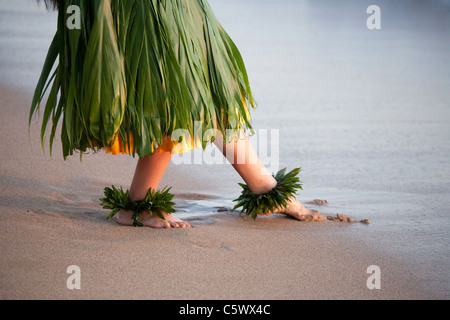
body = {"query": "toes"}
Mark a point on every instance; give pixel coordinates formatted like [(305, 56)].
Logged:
[(157, 225), (154, 221), (186, 225), (160, 224), (177, 223), (173, 224), (171, 221)]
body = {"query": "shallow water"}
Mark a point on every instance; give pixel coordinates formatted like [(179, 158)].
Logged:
[(365, 113)]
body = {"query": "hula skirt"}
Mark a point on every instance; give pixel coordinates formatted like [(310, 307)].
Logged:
[(136, 75)]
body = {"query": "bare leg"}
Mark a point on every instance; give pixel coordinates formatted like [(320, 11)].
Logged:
[(148, 174), (244, 159)]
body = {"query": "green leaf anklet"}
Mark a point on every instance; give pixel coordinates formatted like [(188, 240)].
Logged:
[(253, 203), (155, 202)]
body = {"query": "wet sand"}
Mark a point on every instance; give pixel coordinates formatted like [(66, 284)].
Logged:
[(363, 112), (50, 218)]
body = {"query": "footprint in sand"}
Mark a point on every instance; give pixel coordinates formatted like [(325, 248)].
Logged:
[(317, 216), (63, 200), (318, 202)]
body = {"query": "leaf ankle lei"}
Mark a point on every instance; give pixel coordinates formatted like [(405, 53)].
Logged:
[(155, 202), (253, 203)]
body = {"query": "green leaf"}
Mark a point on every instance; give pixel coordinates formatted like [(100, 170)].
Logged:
[(50, 60), (252, 203), (155, 202), (104, 92)]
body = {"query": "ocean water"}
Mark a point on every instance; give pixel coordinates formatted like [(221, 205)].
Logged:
[(365, 113)]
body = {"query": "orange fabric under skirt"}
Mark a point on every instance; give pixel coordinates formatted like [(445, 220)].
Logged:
[(168, 145)]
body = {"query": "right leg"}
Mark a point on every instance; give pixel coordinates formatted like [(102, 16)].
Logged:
[(246, 162), (148, 173)]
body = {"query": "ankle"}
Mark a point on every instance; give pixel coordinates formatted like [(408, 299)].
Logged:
[(264, 186), (138, 194), (135, 197)]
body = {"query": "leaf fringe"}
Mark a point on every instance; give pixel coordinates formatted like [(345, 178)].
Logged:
[(141, 68), (155, 202), (254, 204)]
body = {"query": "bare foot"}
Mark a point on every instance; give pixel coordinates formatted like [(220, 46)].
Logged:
[(297, 211), (151, 220)]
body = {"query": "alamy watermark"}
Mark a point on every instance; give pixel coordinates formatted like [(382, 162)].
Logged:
[(263, 147), (74, 19), (74, 280), (374, 280), (374, 20)]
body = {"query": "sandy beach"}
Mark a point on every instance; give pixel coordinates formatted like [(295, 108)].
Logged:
[(51, 218), (371, 138)]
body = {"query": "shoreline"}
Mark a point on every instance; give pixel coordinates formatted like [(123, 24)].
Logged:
[(51, 219)]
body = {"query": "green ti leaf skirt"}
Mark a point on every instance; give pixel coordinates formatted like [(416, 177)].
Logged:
[(141, 74)]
